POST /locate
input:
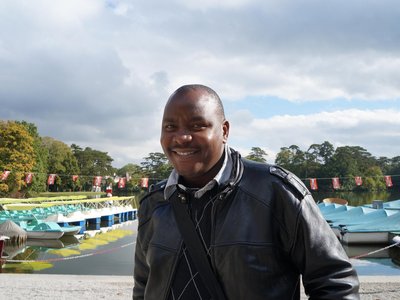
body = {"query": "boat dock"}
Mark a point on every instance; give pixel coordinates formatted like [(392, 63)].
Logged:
[(74, 212)]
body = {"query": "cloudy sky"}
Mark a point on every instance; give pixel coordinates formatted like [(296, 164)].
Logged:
[(98, 73)]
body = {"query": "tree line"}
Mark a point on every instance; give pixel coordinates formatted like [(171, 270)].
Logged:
[(23, 150)]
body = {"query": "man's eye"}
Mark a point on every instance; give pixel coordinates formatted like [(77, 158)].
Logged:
[(169, 127), (198, 126)]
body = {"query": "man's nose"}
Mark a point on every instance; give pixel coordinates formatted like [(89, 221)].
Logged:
[(183, 136)]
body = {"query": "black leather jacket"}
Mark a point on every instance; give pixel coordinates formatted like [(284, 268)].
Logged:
[(266, 231)]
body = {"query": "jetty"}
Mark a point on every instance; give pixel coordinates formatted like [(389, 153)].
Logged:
[(64, 213)]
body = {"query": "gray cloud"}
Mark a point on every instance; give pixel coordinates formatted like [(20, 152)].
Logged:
[(98, 73)]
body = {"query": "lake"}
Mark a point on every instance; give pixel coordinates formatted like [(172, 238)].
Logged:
[(112, 252)]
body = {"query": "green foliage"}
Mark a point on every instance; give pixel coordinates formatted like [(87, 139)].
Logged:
[(323, 161), (61, 161), (293, 159), (23, 151), (156, 166), (257, 154), (93, 162), (133, 171)]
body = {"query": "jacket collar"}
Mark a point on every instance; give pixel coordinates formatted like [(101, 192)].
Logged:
[(222, 179)]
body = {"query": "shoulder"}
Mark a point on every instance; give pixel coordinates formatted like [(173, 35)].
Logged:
[(290, 179), (151, 201), (262, 173), (158, 186)]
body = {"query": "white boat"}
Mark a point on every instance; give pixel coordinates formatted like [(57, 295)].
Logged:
[(44, 234), (42, 230)]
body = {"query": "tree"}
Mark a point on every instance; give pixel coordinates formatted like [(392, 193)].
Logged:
[(134, 171), (293, 159), (41, 154), (374, 179), (156, 166), (61, 161), (93, 162), (16, 155), (257, 154), (350, 161)]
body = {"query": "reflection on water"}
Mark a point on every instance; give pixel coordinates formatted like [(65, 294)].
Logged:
[(111, 253), (103, 251)]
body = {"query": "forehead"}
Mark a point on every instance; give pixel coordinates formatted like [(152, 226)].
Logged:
[(193, 104)]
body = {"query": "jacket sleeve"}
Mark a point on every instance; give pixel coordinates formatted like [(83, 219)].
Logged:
[(314, 249), (141, 271)]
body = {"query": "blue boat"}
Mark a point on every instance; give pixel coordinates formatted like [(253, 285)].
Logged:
[(47, 230), (373, 232)]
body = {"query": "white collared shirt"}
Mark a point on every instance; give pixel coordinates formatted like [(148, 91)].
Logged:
[(222, 177)]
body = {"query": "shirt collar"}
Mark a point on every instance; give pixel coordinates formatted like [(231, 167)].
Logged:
[(221, 177)]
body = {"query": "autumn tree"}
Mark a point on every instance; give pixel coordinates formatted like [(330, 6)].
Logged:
[(40, 167), (16, 155)]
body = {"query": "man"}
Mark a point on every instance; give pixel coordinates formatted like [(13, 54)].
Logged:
[(259, 227)]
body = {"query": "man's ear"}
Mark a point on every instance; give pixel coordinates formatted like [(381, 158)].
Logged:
[(225, 131)]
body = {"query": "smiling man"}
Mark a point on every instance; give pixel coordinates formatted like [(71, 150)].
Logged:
[(223, 227)]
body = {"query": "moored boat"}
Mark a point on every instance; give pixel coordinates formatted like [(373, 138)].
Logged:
[(373, 232)]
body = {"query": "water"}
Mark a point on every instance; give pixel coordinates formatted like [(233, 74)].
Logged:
[(112, 253), (109, 253)]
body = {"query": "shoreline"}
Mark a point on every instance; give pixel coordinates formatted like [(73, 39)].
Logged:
[(51, 286)]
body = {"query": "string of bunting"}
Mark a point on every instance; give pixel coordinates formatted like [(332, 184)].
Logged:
[(97, 180), (357, 180), (144, 182)]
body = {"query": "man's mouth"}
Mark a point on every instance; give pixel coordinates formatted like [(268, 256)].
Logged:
[(184, 153)]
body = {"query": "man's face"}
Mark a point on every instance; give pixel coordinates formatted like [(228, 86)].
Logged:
[(193, 135)]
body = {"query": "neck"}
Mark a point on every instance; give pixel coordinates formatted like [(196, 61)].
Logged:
[(205, 178)]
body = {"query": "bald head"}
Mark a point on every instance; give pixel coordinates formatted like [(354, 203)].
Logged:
[(205, 91), (194, 133)]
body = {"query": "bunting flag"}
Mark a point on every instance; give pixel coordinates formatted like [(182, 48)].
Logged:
[(128, 177), (75, 178), (388, 181), (335, 183), (28, 178), (51, 179), (4, 175), (313, 184), (144, 182), (358, 180), (121, 182), (97, 180)]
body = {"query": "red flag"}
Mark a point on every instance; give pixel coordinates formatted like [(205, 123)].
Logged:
[(358, 180), (51, 179), (388, 180), (4, 175), (336, 183), (28, 178), (121, 182), (97, 180), (313, 184), (75, 178), (144, 182)]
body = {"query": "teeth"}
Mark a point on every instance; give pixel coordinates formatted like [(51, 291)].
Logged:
[(184, 153)]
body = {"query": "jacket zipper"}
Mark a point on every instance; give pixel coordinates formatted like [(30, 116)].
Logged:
[(212, 237)]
